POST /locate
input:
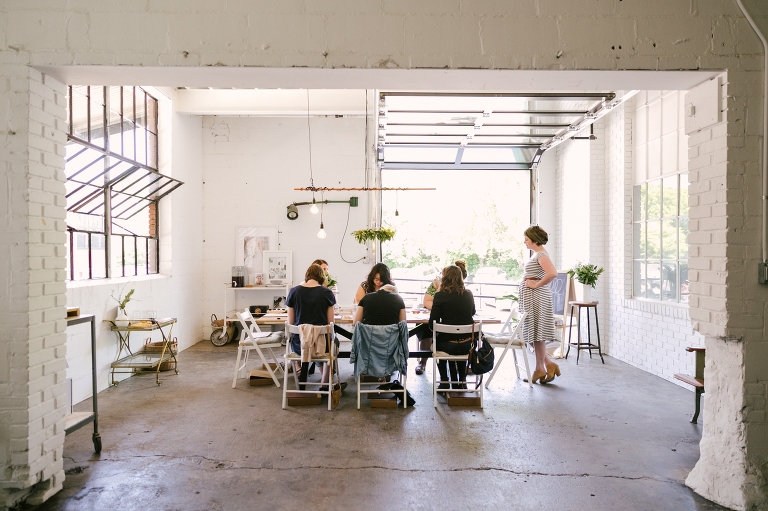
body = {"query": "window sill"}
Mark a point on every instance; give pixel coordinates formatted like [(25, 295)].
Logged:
[(675, 310), (76, 284)]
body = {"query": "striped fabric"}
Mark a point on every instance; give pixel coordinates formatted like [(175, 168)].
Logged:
[(539, 325)]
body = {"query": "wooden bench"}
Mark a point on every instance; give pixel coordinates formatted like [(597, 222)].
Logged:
[(696, 381)]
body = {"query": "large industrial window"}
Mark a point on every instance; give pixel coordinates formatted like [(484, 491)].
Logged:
[(113, 185), (660, 239)]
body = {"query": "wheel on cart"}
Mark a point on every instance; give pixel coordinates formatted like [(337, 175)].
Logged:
[(97, 444), (219, 337)]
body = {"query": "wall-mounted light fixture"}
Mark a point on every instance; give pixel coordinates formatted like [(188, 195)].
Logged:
[(293, 210)]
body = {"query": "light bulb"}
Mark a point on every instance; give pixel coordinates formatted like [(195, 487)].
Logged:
[(321, 233), (314, 209)]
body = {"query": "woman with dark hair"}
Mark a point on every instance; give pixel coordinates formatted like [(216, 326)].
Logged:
[(536, 299), (310, 303), (377, 277), (453, 305), (423, 332)]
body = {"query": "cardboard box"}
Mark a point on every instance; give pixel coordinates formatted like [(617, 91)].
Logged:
[(258, 377), (383, 402), (464, 399), (294, 398)]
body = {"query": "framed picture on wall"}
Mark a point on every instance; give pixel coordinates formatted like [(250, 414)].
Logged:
[(277, 267), (250, 245)]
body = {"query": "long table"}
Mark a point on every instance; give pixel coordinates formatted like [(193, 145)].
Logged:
[(412, 317)]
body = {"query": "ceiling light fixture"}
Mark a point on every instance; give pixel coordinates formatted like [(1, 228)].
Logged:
[(314, 209)]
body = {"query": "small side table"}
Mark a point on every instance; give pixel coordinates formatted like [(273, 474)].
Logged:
[(579, 344)]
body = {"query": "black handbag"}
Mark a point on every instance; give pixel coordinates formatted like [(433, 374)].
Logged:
[(481, 356)]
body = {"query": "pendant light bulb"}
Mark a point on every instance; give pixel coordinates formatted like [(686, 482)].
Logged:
[(314, 209), (321, 233), (397, 213)]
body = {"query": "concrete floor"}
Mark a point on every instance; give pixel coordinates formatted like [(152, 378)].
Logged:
[(602, 437)]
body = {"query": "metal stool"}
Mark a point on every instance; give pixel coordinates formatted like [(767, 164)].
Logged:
[(584, 345)]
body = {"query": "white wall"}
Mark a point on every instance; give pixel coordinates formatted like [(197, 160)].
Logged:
[(251, 166), (547, 202), (647, 334)]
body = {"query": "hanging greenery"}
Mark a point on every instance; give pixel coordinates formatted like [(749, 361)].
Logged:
[(383, 234)]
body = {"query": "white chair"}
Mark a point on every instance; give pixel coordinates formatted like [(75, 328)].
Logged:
[(327, 358), (510, 338), (253, 339), (437, 356), (393, 350)]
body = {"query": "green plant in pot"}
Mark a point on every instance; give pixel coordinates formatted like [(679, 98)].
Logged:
[(587, 275), (382, 234)]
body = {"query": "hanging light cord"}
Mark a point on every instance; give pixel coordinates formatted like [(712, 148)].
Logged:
[(341, 244), (309, 139)]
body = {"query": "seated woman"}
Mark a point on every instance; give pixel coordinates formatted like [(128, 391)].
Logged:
[(377, 277), (384, 307), (424, 332), (453, 305), (310, 303)]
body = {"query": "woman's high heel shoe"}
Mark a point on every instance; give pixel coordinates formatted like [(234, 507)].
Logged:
[(538, 375), (552, 371)]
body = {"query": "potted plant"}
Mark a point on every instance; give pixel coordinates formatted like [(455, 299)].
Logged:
[(121, 319), (586, 274), (382, 234)]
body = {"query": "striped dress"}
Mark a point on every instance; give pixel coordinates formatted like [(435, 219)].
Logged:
[(539, 325)]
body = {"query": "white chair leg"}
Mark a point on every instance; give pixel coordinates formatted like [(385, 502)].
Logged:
[(517, 362), (237, 365), (495, 367), (285, 383), (434, 381), (405, 391), (527, 367), (268, 367)]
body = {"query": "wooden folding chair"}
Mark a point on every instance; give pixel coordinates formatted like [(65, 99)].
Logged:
[(253, 339), (510, 338)]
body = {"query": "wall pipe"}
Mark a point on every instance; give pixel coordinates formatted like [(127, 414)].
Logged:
[(763, 270)]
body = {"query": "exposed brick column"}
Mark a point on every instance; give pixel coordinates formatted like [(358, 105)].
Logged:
[(727, 303), (32, 287)]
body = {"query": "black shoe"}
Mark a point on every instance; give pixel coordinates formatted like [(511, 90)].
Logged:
[(460, 386), (444, 386)]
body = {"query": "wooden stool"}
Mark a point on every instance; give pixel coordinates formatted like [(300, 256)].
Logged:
[(584, 345)]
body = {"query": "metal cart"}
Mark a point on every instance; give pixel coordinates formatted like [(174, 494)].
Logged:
[(77, 420), (142, 359)]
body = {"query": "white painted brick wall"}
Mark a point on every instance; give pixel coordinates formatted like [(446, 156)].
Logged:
[(655, 34), (32, 372)]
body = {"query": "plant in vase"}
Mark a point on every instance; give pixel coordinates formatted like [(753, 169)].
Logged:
[(121, 319), (586, 274)]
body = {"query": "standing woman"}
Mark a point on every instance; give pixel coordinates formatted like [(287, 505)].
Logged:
[(536, 300), (453, 305)]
